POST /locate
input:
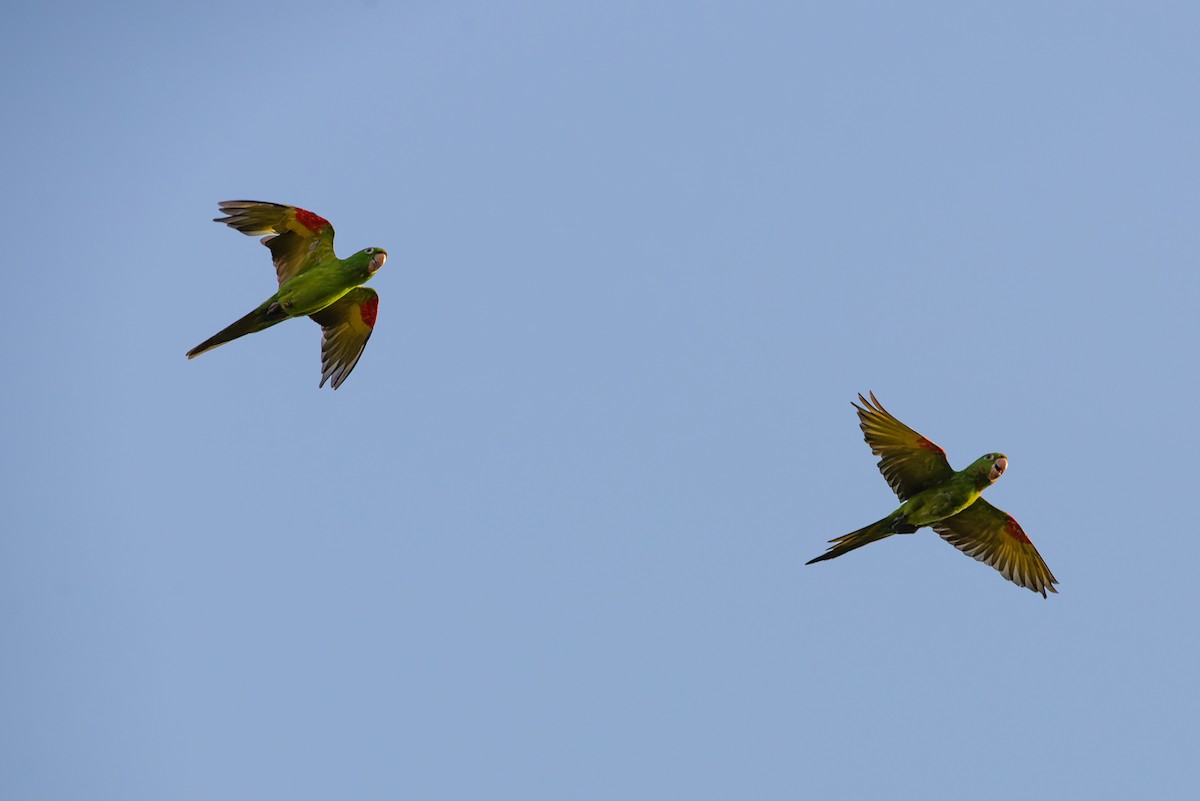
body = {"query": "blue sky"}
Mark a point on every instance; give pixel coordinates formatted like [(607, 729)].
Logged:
[(548, 540)]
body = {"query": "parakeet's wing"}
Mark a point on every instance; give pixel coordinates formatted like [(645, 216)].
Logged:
[(995, 538), (299, 238), (346, 324), (910, 462)]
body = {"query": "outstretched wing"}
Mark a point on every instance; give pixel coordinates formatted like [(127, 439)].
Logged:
[(346, 324), (299, 238), (995, 538), (910, 462)]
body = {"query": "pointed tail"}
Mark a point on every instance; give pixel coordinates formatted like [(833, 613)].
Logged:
[(857, 539), (265, 316)]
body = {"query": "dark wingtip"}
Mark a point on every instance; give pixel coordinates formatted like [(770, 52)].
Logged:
[(871, 406)]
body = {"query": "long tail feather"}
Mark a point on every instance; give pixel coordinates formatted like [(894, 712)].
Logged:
[(857, 539), (261, 318)]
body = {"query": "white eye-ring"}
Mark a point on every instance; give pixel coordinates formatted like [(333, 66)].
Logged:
[(369, 250)]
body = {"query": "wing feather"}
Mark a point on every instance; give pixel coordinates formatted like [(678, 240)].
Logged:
[(910, 462), (993, 537), (297, 239), (346, 325)]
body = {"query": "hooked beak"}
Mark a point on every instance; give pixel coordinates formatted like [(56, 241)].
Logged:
[(998, 468), (377, 261)]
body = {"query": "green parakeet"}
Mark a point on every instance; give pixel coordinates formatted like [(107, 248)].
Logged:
[(934, 495), (313, 282)]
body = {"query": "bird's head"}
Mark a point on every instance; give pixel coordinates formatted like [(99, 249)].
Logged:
[(990, 466), (374, 257)]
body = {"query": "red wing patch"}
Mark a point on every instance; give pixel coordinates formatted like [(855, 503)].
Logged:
[(929, 446), (369, 308), (310, 221), (1013, 529)]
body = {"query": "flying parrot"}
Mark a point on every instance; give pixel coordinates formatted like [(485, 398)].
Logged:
[(313, 282), (934, 495)]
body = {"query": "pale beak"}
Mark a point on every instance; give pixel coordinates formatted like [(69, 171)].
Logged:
[(377, 261), (998, 468)]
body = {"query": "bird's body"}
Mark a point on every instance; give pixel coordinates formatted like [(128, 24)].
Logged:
[(949, 501), (313, 282), (311, 291), (942, 501)]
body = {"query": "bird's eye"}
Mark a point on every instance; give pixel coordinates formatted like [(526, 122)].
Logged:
[(369, 250)]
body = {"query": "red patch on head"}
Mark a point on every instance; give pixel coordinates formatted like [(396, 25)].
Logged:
[(369, 308), (1013, 529), (929, 446), (310, 221)]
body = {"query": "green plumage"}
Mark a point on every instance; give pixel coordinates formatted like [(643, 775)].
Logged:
[(935, 495), (313, 282)]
